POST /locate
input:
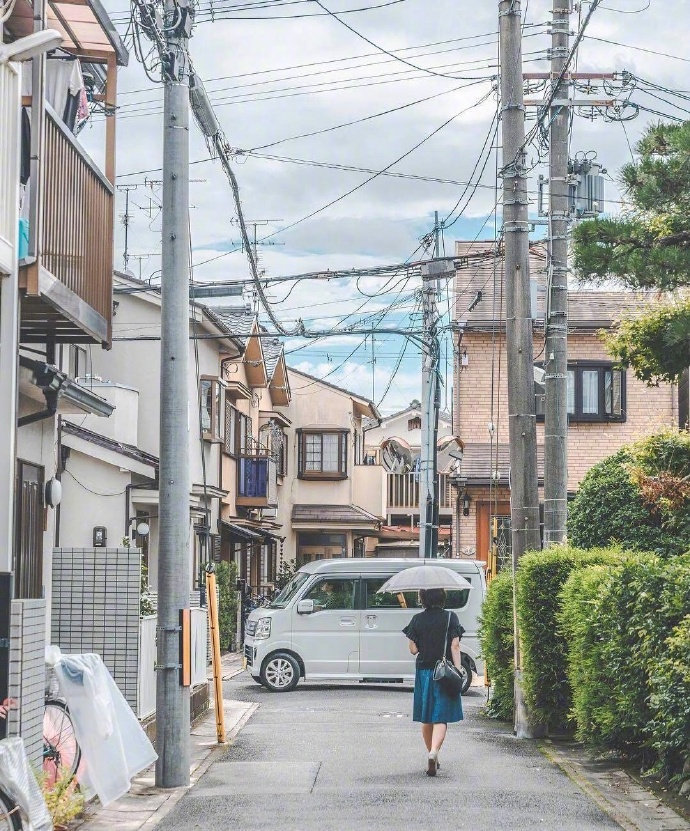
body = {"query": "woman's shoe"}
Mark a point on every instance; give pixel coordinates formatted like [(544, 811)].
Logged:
[(432, 764)]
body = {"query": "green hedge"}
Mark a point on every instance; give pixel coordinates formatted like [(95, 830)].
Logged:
[(540, 578), (226, 579), (496, 637), (627, 629)]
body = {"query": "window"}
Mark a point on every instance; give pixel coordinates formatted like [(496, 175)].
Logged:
[(405, 600), (595, 392), (231, 418), (414, 423), (77, 361), (323, 455), (328, 593), (314, 545), (244, 433), (211, 403)]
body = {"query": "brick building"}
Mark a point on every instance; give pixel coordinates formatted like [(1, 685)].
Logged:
[(607, 407)]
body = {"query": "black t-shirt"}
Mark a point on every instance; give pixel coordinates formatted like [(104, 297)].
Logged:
[(427, 630)]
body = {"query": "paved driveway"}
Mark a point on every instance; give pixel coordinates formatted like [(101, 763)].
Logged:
[(341, 758)]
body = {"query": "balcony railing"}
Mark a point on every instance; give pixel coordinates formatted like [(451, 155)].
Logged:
[(403, 490), (76, 243), (257, 482)]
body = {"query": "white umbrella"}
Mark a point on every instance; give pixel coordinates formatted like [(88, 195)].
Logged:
[(425, 577)]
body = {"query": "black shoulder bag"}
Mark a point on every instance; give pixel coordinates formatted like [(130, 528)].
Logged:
[(445, 673)]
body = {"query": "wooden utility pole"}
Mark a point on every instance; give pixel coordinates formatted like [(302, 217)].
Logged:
[(524, 497), (556, 350)]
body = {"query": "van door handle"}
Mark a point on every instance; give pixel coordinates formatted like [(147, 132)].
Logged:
[(347, 621)]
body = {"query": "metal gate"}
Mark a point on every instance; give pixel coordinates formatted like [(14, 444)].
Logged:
[(500, 526), (28, 545)]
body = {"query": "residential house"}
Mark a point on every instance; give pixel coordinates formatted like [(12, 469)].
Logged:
[(395, 443), (337, 500), (607, 407), (114, 471), (56, 232)]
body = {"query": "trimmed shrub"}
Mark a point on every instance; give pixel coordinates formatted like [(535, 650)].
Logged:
[(540, 578), (639, 498), (670, 722), (496, 637), (226, 579), (625, 628)]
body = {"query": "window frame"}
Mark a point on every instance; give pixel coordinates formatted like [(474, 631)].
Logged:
[(600, 417), (231, 421), (217, 428), (342, 453)]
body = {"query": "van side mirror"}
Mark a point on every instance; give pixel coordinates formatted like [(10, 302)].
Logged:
[(305, 607)]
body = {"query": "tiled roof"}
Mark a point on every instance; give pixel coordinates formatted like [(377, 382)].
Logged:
[(128, 450), (482, 272), (343, 514), (238, 320), (273, 349), (478, 462)]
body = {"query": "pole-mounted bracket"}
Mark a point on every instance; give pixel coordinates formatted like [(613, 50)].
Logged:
[(159, 667)]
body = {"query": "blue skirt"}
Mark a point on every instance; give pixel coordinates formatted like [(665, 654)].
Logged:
[(432, 705)]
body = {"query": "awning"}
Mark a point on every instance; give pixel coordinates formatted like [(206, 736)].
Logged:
[(247, 534)]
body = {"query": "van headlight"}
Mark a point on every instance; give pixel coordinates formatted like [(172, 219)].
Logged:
[(263, 629)]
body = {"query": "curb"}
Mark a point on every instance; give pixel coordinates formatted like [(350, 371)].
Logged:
[(633, 807)]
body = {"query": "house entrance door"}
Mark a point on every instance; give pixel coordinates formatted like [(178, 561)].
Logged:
[(494, 518)]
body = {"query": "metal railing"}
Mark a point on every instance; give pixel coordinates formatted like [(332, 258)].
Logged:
[(9, 132), (403, 490), (77, 227)]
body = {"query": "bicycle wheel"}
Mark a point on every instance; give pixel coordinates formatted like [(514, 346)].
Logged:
[(10, 818), (61, 751)]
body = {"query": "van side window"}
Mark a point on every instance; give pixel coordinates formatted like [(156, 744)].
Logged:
[(405, 600), (372, 600), (330, 593)]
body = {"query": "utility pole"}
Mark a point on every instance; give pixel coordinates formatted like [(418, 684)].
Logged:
[(524, 497), (174, 570), (556, 350), (431, 403)]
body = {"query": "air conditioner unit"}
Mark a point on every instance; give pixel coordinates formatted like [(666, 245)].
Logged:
[(269, 513)]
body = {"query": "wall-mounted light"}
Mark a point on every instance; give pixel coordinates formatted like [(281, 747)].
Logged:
[(143, 529), (466, 504), (53, 492)]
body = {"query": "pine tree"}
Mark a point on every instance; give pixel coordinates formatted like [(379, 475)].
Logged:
[(648, 247)]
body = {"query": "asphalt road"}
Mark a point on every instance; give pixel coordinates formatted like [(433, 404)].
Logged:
[(345, 758)]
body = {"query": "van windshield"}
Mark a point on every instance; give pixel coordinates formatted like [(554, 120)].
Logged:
[(281, 600)]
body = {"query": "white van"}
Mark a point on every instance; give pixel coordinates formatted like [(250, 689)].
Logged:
[(329, 623)]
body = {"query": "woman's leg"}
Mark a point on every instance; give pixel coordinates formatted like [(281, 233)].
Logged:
[(438, 734), (427, 731)]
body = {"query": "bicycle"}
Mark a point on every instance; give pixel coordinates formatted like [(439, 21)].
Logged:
[(10, 817), (61, 749)]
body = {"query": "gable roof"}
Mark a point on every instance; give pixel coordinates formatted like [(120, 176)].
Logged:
[(122, 448), (355, 396)]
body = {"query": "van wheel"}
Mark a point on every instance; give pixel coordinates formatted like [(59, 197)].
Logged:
[(467, 676), (280, 673)]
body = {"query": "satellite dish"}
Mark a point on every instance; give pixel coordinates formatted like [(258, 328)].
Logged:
[(396, 455)]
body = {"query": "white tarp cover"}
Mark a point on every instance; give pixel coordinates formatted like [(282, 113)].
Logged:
[(18, 781), (113, 744)]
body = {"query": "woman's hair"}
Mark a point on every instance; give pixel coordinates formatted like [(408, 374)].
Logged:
[(433, 598)]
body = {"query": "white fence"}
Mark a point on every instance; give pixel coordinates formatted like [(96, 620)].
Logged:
[(9, 166), (146, 693)]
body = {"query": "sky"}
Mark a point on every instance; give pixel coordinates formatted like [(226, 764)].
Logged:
[(277, 69)]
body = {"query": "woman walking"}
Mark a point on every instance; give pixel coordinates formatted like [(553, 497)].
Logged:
[(433, 634)]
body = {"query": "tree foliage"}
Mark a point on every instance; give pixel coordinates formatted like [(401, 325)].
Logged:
[(639, 497), (647, 248)]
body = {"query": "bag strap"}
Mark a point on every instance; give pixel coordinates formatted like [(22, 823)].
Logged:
[(445, 639)]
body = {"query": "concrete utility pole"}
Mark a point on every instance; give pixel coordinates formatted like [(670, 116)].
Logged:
[(556, 351), (431, 402), (174, 570), (524, 497)]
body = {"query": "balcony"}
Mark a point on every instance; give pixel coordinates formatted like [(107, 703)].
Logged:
[(257, 482), (403, 491), (69, 290)]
